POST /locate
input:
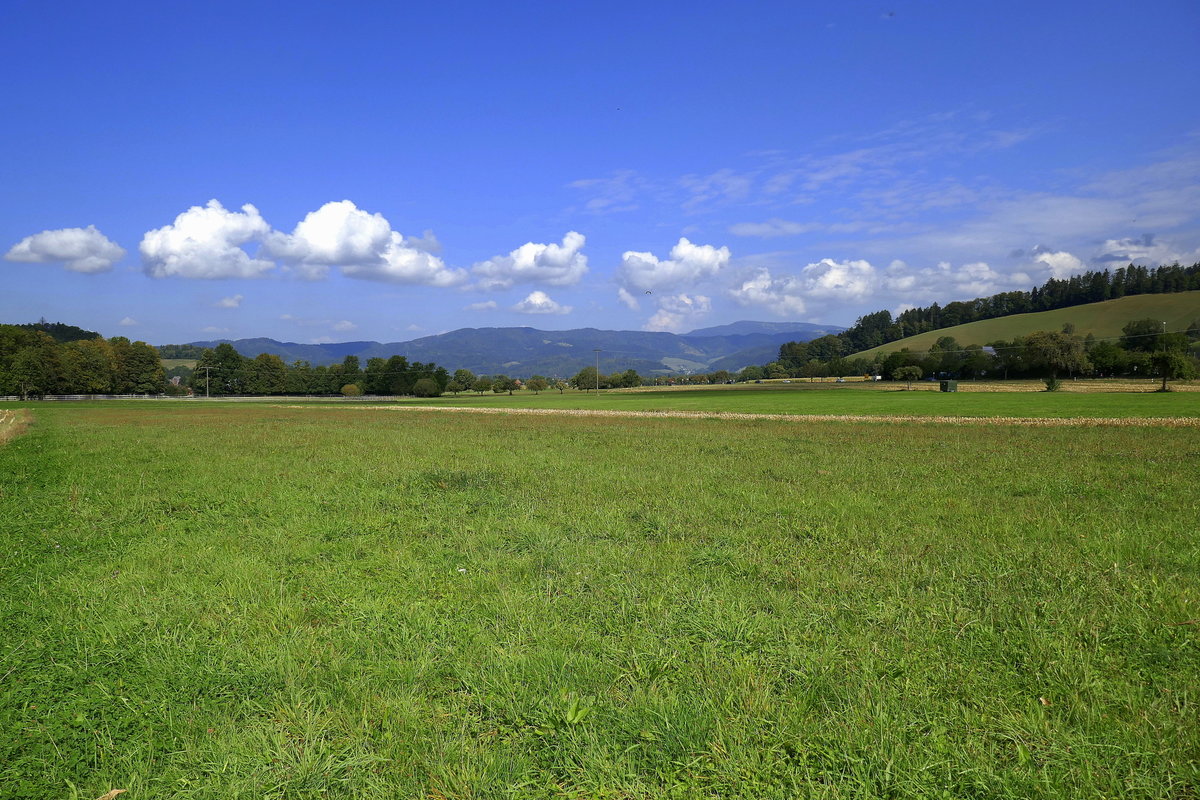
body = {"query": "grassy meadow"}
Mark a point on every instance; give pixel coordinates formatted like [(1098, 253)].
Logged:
[(259, 600), (982, 399)]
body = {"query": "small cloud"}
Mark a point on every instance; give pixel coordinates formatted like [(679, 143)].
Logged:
[(128, 322), (1061, 264), (84, 250), (487, 305), (426, 242), (628, 299), (676, 312), (344, 325), (214, 329), (413, 327), (230, 302), (540, 303)]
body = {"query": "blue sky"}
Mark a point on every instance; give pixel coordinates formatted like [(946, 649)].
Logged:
[(330, 172)]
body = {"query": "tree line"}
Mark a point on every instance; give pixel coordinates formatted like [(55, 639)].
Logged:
[(34, 363), (222, 371), (1144, 349)]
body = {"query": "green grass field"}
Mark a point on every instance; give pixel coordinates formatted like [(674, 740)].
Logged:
[(1103, 320), (222, 600), (883, 399)]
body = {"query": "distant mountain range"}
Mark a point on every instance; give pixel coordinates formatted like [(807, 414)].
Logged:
[(520, 352)]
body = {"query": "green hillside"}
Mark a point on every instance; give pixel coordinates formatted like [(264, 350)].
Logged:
[(1103, 320)]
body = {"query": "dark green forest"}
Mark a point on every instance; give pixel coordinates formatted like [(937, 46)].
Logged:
[(34, 364)]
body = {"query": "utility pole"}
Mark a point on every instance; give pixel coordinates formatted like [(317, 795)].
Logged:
[(206, 373), (597, 352)]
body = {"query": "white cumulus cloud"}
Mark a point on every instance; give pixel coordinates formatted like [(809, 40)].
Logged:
[(1060, 263), (688, 263), (344, 325), (1145, 250), (85, 250), (234, 301), (540, 303), (945, 281), (846, 280), (206, 242), (128, 322), (787, 294), (676, 312), (782, 296), (400, 263), (487, 305), (551, 264), (335, 234), (363, 245)]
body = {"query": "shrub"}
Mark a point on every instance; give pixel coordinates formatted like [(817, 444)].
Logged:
[(1052, 384), (426, 387), (351, 390)]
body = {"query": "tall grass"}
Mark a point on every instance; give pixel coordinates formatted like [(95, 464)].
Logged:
[(250, 601)]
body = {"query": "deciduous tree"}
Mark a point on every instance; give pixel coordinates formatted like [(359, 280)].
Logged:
[(907, 374), (1172, 365)]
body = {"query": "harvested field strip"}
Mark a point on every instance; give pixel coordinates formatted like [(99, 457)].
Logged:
[(1033, 422)]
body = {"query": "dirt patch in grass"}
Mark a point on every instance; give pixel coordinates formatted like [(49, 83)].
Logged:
[(1038, 422), (13, 422)]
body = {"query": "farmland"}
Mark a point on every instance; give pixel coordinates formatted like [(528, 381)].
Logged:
[(982, 399), (272, 599)]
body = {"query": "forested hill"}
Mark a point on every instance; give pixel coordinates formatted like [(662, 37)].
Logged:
[(879, 328), (528, 351), (59, 331), (1101, 321)]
